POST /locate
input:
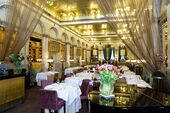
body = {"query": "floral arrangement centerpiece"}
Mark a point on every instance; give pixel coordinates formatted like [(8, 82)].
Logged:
[(16, 59), (108, 75)]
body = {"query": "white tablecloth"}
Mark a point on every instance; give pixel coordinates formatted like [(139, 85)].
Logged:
[(132, 78), (71, 69), (69, 93), (124, 68), (78, 79), (43, 76)]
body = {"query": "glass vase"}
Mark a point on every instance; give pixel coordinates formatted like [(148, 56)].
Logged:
[(106, 88)]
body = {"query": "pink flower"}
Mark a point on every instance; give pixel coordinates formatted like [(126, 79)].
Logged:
[(114, 68), (109, 67), (105, 64)]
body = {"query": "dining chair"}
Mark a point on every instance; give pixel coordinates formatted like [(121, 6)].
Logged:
[(85, 88), (49, 100), (69, 75), (45, 83)]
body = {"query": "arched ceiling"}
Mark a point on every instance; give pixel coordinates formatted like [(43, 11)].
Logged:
[(84, 17)]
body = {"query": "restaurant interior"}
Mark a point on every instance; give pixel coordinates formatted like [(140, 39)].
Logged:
[(84, 56)]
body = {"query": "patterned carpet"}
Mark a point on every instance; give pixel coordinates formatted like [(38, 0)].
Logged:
[(31, 103)]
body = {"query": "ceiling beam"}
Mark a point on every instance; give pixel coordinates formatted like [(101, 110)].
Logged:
[(80, 22), (100, 36), (92, 21)]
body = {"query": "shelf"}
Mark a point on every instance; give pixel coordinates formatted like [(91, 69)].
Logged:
[(35, 49)]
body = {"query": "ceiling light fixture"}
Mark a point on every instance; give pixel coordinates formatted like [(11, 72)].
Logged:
[(50, 3)]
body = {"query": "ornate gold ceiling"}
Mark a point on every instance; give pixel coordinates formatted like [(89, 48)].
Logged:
[(85, 18)]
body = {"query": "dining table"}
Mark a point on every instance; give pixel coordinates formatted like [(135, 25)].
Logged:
[(69, 93), (78, 78), (129, 100), (45, 76)]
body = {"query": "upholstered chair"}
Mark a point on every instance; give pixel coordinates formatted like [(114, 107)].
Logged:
[(45, 83), (49, 100), (69, 75), (85, 88)]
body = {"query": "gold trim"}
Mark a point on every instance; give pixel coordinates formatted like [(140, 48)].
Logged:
[(37, 36)]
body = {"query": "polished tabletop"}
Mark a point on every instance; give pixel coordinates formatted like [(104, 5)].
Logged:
[(131, 96)]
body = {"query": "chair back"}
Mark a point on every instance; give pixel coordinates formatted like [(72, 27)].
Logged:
[(48, 99), (69, 75), (85, 87), (45, 83)]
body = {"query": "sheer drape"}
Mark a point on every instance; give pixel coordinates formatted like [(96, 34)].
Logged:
[(141, 31), (22, 17), (104, 53)]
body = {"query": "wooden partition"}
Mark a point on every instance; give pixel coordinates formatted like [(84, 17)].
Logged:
[(12, 91)]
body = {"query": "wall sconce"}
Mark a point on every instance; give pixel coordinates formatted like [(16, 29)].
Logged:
[(71, 15), (50, 60), (83, 60), (39, 60), (71, 60), (93, 13)]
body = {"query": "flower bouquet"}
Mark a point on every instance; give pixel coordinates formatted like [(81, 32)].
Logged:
[(108, 75), (16, 59)]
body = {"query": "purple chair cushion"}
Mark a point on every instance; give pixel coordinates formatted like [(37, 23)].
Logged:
[(85, 87), (45, 83), (84, 97), (50, 100), (60, 103)]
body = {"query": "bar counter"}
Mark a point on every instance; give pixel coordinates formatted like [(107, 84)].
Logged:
[(12, 90), (129, 100)]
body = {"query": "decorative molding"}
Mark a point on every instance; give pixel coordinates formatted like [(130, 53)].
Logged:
[(68, 43), (45, 35), (63, 43), (88, 49), (56, 40), (79, 47), (74, 45), (55, 21), (37, 36)]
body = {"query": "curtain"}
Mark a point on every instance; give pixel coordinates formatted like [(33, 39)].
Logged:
[(136, 24), (22, 17), (104, 53), (112, 54)]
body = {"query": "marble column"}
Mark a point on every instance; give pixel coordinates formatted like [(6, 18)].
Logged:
[(74, 54), (57, 63), (100, 55), (44, 53), (155, 30), (88, 56), (168, 20), (80, 57), (84, 53), (67, 54)]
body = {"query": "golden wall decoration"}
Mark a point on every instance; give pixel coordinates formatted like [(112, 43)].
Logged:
[(71, 52), (53, 48), (79, 51), (11, 89), (35, 49), (62, 52)]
